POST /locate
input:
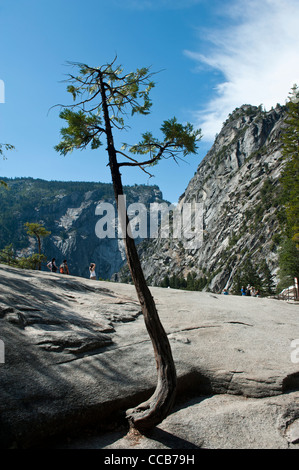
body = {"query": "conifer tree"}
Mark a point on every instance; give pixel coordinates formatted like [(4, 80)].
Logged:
[(290, 174), (288, 255), (7, 255), (288, 263), (2, 148), (38, 231), (104, 97)]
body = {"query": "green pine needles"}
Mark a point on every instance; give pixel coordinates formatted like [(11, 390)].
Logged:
[(289, 251), (125, 95)]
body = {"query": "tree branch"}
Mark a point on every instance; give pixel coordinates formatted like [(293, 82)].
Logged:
[(134, 163)]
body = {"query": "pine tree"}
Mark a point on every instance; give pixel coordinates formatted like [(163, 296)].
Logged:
[(267, 279), (7, 255), (104, 97), (288, 263), (289, 252), (290, 175), (38, 231), (5, 147)]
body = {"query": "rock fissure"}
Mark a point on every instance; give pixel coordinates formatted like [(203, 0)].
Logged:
[(239, 323)]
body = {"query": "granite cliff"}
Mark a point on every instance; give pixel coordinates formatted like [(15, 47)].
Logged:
[(238, 188)]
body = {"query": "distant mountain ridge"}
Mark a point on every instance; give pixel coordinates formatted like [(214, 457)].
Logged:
[(67, 209)]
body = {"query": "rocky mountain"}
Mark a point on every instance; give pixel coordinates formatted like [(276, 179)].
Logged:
[(68, 211), (237, 187)]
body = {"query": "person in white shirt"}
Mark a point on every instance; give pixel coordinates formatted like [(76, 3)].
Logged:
[(92, 272)]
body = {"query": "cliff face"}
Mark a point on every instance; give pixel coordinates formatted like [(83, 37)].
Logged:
[(68, 210), (237, 185)]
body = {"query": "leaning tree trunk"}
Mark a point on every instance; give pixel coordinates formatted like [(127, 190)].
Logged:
[(157, 407), (154, 410)]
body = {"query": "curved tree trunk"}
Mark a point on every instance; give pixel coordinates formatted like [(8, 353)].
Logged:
[(154, 410), (157, 407)]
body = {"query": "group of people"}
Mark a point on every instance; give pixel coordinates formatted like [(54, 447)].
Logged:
[(250, 291), (63, 268)]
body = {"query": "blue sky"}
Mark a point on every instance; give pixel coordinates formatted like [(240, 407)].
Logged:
[(214, 55)]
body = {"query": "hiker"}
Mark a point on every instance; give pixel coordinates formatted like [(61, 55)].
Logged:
[(243, 291), (92, 271), (52, 266), (225, 292), (64, 268), (252, 291)]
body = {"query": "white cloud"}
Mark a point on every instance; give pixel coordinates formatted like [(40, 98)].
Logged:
[(258, 57)]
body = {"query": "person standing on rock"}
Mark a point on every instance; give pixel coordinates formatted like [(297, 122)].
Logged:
[(52, 265), (92, 271), (64, 268)]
